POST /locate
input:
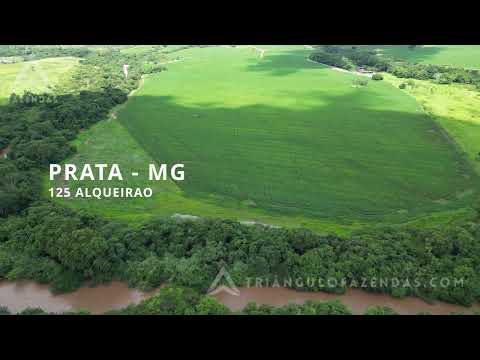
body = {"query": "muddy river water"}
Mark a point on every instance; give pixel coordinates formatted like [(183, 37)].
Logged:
[(357, 300), (20, 295)]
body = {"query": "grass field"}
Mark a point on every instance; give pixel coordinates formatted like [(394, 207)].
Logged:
[(137, 49), (279, 140), (456, 55), (36, 76), (455, 107)]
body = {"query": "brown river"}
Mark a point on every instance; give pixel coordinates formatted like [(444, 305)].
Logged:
[(20, 295)]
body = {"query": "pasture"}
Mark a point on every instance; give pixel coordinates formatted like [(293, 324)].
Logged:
[(455, 107), (278, 140), (35, 76)]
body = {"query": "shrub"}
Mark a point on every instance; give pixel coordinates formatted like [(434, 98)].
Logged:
[(210, 306), (332, 60), (32, 311), (360, 82), (380, 310), (402, 86), (377, 77)]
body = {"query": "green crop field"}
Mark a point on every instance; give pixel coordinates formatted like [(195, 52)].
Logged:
[(279, 140), (109, 140), (35, 76), (456, 55)]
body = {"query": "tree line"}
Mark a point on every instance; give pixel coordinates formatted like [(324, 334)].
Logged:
[(38, 128), (354, 57), (66, 248), (37, 52)]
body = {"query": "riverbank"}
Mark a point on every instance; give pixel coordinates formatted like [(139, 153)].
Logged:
[(17, 296), (355, 299)]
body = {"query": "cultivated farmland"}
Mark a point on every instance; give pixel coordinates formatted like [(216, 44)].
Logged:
[(276, 137)]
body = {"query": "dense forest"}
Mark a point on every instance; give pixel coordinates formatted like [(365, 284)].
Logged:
[(51, 244), (36, 52), (37, 128)]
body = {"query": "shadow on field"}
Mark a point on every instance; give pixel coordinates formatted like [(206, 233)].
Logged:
[(418, 54), (285, 63), (292, 61), (339, 159)]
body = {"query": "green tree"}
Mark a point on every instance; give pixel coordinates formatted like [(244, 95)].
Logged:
[(210, 306), (380, 310)]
